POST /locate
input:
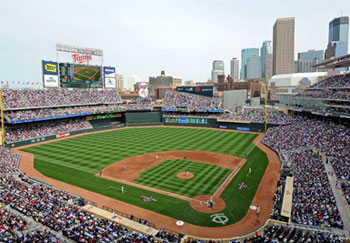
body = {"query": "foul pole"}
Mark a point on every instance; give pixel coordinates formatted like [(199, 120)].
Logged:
[(2, 121)]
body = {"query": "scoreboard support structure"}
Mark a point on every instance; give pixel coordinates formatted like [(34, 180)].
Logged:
[(63, 48)]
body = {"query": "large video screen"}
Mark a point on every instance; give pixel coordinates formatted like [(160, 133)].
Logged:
[(80, 76), (87, 73)]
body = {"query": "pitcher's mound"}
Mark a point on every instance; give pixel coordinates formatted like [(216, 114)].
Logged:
[(185, 175), (200, 204)]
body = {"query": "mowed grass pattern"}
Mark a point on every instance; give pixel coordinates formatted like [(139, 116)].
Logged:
[(93, 152), (77, 160), (207, 177)]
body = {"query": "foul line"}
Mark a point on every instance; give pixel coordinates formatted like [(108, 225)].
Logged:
[(230, 177)]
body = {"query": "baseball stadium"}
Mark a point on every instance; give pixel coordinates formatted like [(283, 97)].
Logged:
[(81, 164)]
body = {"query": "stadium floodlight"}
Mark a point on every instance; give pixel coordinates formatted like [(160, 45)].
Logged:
[(80, 50)]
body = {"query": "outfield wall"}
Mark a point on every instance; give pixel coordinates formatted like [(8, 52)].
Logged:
[(143, 118)]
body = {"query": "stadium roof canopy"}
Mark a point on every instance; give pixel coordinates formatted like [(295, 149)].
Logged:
[(343, 61)]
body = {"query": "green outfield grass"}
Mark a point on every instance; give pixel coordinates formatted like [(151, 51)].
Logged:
[(207, 179), (77, 160)]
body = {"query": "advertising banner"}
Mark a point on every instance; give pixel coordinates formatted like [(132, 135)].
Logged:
[(51, 118), (243, 129), (50, 68), (50, 81), (223, 127), (37, 140), (110, 83), (62, 135), (109, 72), (50, 74), (198, 90)]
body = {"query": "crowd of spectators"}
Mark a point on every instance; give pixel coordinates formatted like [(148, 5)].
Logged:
[(280, 233), (258, 115), (313, 199), (326, 94), (31, 98), (176, 100), (345, 186), (17, 115), (30, 131), (54, 209), (334, 82), (333, 140), (15, 229)]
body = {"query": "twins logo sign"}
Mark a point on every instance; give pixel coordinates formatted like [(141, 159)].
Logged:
[(219, 218)]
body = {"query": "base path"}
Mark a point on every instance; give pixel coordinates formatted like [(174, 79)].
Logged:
[(130, 168), (127, 170), (201, 204), (263, 198)]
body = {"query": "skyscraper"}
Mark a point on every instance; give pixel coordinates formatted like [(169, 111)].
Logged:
[(235, 69), (268, 66), (218, 69), (283, 46), (132, 79), (119, 81), (306, 60), (245, 54), (338, 36), (254, 67), (265, 50), (339, 29)]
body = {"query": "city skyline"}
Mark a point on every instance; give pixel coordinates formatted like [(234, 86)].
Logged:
[(182, 38)]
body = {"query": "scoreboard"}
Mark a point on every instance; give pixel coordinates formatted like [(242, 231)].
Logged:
[(186, 120)]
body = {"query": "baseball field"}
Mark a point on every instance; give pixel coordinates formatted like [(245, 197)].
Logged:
[(134, 163)]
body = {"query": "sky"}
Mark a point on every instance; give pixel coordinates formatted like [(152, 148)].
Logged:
[(181, 37)]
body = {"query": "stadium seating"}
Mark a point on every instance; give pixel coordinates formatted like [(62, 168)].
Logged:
[(35, 98), (257, 115), (174, 100), (335, 81), (313, 199), (29, 131), (53, 209), (280, 233), (333, 92)]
